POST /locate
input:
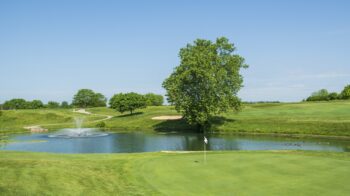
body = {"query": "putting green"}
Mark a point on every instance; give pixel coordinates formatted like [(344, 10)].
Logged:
[(224, 173)]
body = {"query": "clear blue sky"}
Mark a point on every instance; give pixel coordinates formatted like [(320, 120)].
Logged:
[(50, 49)]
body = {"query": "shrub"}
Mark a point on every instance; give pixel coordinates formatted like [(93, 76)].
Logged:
[(101, 124)]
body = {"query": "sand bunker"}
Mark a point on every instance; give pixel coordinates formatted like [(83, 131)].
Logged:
[(167, 118)]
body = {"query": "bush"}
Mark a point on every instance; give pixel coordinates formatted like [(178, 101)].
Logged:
[(101, 124)]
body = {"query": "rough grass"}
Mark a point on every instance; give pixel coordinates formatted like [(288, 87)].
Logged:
[(224, 173), (316, 118)]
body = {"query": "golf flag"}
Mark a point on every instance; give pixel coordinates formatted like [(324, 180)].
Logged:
[(205, 140)]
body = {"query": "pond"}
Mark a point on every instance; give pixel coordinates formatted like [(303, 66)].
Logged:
[(150, 142)]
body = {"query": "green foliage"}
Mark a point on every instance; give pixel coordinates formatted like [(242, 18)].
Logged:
[(53, 104), (127, 102), (154, 99), (65, 104), (345, 94), (88, 98), (321, 95), (15, 104), (35, 104), (207, 80), (101, 124), (333, 96)]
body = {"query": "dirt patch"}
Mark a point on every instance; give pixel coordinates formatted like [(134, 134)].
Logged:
[(167, 118), (36, 129)]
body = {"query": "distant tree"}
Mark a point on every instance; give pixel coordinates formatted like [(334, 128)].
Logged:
[(154, 99), (65, 104), (35, 104), (321, 95), (100, 100), (15, 104), (333, 96), (345, 94), (127, 102), (88, 98), (53, 104), (207, 80)]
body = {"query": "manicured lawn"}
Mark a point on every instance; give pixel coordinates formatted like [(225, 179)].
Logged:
[(317, 118), (225, 173)]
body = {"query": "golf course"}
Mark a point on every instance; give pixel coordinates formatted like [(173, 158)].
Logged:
[(224, 173), (303, 119), (174, 98), (180, 172)]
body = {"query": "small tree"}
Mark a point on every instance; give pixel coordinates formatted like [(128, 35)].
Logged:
[(345, 94), (127, 102), (35, 104), (53, 104), (88, 98), (65, 104), (207, 80), (154, 99)]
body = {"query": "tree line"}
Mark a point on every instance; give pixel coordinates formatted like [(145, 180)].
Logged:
[(324, 95), (86, 98)]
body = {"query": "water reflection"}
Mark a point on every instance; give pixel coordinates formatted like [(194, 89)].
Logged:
[(146, 142)]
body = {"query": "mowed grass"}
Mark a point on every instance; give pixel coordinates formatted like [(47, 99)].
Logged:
[(224, 173), (307, 118), (316, 118)]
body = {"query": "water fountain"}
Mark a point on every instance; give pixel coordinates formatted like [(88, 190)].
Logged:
[(78, 132)]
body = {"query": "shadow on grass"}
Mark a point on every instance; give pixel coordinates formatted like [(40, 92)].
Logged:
[(182, 126), (174, 125), (128, 115)]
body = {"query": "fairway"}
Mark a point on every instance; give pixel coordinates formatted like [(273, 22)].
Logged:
[(225, 173)]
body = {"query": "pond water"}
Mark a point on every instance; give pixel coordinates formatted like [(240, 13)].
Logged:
[(149, 142)]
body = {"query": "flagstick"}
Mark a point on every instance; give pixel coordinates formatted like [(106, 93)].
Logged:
[(205, 154)]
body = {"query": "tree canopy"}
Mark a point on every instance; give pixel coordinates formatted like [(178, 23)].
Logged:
[(345, 94), (207, 80), (323, 95), (53, 104), (88, 98), (127, 102), (14, 104), (154, 99)]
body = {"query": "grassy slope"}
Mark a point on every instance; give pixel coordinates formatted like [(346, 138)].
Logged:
[(320, 118), (225, 173)]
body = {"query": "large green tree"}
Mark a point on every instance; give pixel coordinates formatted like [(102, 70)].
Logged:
[(207, 80), (88, 98), (127, 102), (345, 94)]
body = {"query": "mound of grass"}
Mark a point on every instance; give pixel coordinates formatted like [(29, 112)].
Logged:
[(224, 173), (316, 118)]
